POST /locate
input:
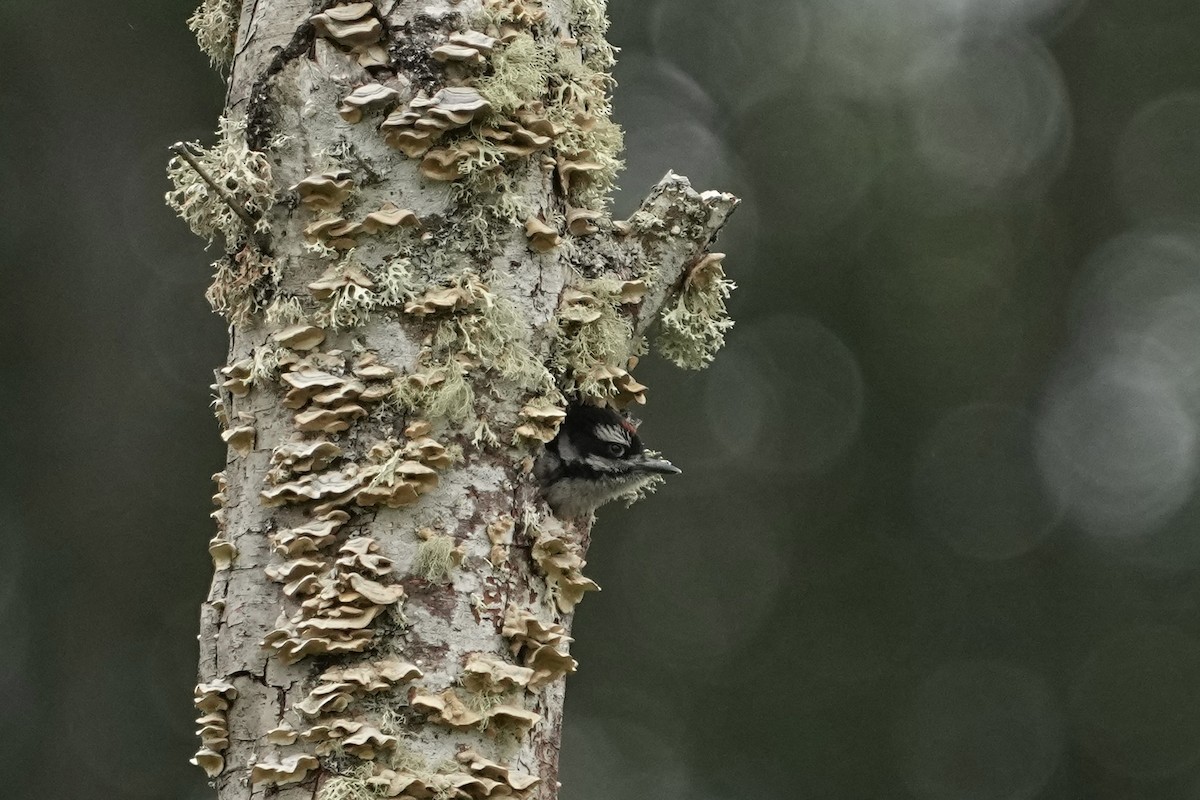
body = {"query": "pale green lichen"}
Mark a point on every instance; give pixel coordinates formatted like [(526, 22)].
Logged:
[(393, 283), (605, 340), (265, 365), (438, 391), (215, 24), (435, 558), (352, 304), (285, 310), (487, 207), (245, 174), (590, 24), (520, 73), (350, 785), (494, 334), (241, 285), (694, 328)]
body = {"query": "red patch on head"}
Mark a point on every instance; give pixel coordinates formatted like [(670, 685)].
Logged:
[(629, 426)]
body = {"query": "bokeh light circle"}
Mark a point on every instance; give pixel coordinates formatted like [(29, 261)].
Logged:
[(975, 483), (731, 41), (981, 731), (793, 391), (1158, 159), (1118, 450), (993, 115)]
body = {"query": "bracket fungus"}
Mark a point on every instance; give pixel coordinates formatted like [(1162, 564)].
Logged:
[(365, 98), (299, 337), (446, 708), (500, 534), (222, 551), (487, 674), (298, 457), (311, 537), (240, 439), (470, 47), (562, 565), (238, 377), (514, 140), (342, 599), (582, 222), (389, 216), (516, 780), (523, 12), (283, 734), (415, 129), (536, 646), (355, 26), (326, 191), (542, 237), (541, 419), (575, 169), (282, 771), (213, 701)]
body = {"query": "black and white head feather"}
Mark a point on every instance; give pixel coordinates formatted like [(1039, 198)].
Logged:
[(596, 457)]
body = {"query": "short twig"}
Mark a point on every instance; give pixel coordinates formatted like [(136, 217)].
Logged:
[(181, 149)]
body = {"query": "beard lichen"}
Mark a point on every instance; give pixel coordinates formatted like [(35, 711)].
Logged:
[(242, 285), (215, 23), (492, 336), (355, 291), (350, 785), (435, 557), (693, 329), (594, 339), (245, 175), (475, 334), (285, 310), (437, 390), (520, 72)]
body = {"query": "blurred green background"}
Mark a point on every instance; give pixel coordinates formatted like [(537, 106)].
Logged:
[(938, 531)]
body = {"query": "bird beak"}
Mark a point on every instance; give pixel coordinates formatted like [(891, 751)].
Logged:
[(659, 465)]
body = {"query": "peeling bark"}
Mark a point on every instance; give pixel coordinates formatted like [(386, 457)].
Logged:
[(376, 513)]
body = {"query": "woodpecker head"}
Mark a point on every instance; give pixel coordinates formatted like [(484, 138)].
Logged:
[(596, 457)]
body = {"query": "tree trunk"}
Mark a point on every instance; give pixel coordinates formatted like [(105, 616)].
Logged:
[(420, 276)]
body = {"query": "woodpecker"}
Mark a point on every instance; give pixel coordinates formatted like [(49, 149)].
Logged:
[(596, 457)]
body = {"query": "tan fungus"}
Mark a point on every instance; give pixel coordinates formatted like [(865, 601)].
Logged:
[(542, 237), (283, 771), (325, 191), (370, 96), (299, 337)]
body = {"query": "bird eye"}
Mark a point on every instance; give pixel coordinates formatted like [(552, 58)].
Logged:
[(616, 450)]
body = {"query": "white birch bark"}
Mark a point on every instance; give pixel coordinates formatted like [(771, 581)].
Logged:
[(386, 360)]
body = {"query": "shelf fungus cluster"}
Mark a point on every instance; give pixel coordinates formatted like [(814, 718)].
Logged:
[(332, 724), (560, 561), (355, 27), (212, 701), (541, 418), (597, 341), (449, 709), (475, 778), (220, 548), (338, 601), (537, 645), (328, 394)]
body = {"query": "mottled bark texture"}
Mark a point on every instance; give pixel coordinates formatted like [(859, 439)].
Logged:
[(431, 277)]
